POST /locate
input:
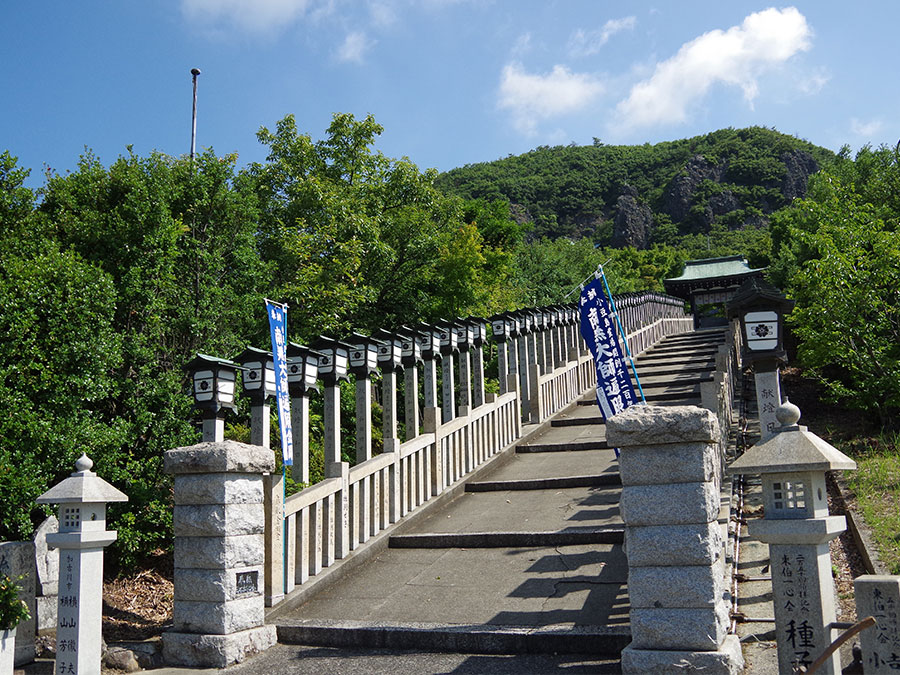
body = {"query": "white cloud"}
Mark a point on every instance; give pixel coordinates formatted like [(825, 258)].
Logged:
[(522, 45), (866, 129), (354, 47), (532, 97), (814, 82), (254, 16), (583, 43), (737, 56)]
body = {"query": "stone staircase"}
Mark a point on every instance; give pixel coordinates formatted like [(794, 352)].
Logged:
[(526, 559)]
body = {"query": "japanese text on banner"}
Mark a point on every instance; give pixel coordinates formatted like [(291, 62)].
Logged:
[(598, 327), (278, 328)]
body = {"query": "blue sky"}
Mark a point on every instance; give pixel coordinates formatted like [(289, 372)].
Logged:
[(452, 81)]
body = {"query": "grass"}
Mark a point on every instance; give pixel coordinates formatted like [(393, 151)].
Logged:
[(876, 484)]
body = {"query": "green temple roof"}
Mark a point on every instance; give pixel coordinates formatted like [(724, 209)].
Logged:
[(711, 268)]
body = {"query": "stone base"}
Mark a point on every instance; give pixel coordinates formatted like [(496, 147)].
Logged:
[(727, 660), (215, 651)]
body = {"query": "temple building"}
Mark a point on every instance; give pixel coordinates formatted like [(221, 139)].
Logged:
[(708, 284)]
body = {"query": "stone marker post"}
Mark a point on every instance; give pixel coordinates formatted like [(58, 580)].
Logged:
[(878, 596), (219, 524), (81, 539), (670, 503), (797, 529), (17, 559)]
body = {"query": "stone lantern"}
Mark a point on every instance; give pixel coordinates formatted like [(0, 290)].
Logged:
[(82, 536), (390, 360), (478, 327), (449, 340), (410, 357), (212, 384), (259, 383), (761, 307), (429, 339), (333, 363), (797, 528)]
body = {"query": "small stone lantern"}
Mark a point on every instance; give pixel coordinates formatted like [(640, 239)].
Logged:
[(213, 389), (797, 528), (303, 369), (390, 349), (259, 373), (259, 383), (82, 536)]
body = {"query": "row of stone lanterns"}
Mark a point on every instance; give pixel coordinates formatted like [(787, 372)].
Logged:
[(330, 361), (543, 336)]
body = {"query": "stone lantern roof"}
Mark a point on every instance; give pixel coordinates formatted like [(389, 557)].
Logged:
[(791, 449), (82, 487)]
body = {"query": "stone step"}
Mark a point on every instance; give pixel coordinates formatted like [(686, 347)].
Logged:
[(597, 480), (467, 639), (691, 359), (659, 370), (576, 421), (570, 446), (576, 536)]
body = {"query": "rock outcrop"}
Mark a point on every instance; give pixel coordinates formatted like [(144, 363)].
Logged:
[(633, 222), (800, 166)]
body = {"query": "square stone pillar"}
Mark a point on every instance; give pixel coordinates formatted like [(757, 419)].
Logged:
[(878, 596), (219, 523), (671, 478)]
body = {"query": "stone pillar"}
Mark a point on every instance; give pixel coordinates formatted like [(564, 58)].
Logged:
[(524, 375), (338, 511), (219, 523), (768, 398), (363, 418), (411, 400), (670, 501), (502, 366), (300, 429), (430, 383), (47, 584), (448, 391), (17, 560), (477, 376), (878, 596), (465, 378), (389, 407)]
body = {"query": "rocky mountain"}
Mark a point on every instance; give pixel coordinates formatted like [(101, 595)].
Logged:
[(638, 195)]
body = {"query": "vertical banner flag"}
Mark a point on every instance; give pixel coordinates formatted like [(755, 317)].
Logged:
[(278, 328), (614, 390)]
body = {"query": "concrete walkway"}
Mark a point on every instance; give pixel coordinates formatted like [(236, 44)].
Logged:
[(523, 571)]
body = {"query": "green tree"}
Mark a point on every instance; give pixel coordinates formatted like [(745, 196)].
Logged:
[(841, 262)]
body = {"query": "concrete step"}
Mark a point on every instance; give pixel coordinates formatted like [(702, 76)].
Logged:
[(575, 536), (467, 639), (576, 421), (597, 480), (570, 446)]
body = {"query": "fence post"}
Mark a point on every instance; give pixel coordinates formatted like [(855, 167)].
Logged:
[(219, 523), (671, 481)]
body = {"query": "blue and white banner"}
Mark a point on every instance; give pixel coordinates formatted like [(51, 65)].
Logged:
[(278, 328), (598, 326)]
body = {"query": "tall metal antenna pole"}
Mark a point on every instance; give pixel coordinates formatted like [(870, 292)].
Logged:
[(194, 72)]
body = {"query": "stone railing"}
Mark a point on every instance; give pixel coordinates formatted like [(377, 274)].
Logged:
[(452, 423)]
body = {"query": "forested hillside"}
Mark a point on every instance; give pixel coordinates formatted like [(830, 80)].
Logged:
[(640, 195)]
